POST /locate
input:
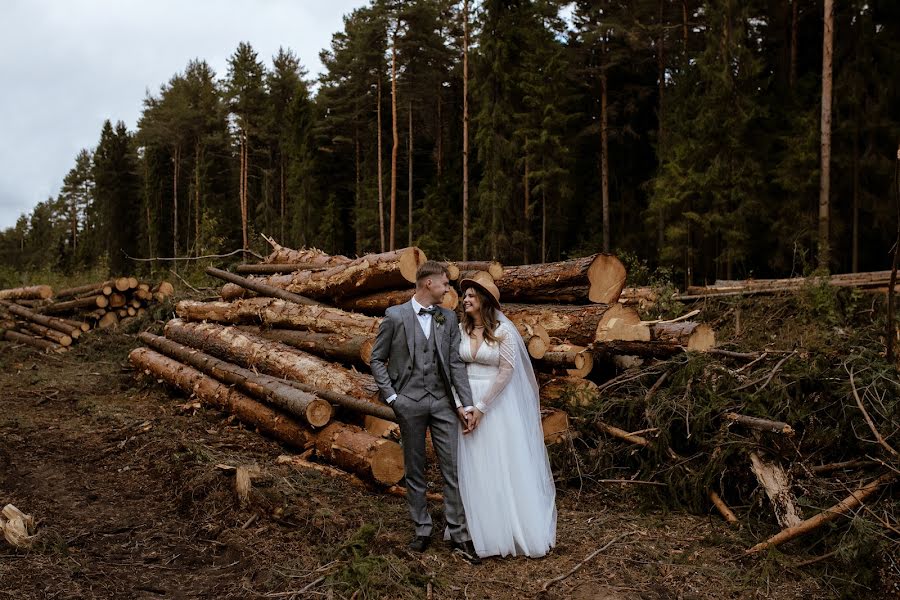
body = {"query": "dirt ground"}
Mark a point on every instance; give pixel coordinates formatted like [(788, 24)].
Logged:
[(123, 477)]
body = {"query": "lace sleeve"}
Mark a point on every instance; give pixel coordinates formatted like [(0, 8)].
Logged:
[(507, 360)]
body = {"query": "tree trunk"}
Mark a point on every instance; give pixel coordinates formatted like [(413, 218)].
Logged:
[(795, 35), (854, 261), (177, 159), (825, 170), (351, 349), (282, 195), (604, 156), (358, 193), (555, 425), (52, 322), (375, 304), (279, 313), (71, 305), (380, 171), (465, 152), (526, 214), (222, 397), (396, 146), (53, 335), (36, 292), (543, 225), (567, 359), (273, 358), (468, 267), (409, 168), (439, 131), (597, 278), (364, 275), (276, 268), (90, 288), (356, 450), (307, 407)]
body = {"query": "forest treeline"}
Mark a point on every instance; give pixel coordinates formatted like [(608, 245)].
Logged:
[(682, 132)]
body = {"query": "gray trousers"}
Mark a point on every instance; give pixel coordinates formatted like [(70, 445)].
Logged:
[(414, 418)]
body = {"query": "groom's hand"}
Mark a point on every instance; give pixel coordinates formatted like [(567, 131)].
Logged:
[(463, 418)]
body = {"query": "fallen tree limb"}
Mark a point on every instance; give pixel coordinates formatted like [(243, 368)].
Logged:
[(854, 500), (575, 569), (260, 288), (722, 507), (761, 424)]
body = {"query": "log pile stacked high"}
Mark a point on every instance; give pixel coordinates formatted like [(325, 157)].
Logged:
[(38, 317), (307, 321)]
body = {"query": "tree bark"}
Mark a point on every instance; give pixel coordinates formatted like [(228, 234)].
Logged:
[(362, 276), (380, 172), (304, 258), (222, 397), (35, 292), (777, 487), (467, 268), (47, 333), (273, 358), (278, 313), (597, 278), (21, 338), (570, 360), (276, 268), (409, 169), (351, 349), (356, 450), (396, 146), (465, 152), (52, 322), (311, 410), (72, 305), (375, 304), (825, 169), (580, 325)]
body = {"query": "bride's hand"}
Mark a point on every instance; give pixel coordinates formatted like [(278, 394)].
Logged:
[(475, 418)]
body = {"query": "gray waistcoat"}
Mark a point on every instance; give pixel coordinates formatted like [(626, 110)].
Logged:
[(425, 379)]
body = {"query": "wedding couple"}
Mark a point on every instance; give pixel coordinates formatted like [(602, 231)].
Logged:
[(472, 384)]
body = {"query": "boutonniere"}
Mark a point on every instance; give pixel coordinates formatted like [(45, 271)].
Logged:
[(439, 317)]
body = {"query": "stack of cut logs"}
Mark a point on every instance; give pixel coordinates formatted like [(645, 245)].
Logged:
[(290, 342), (39, 318)]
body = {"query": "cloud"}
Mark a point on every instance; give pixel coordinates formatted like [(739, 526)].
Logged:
[(69, 65)]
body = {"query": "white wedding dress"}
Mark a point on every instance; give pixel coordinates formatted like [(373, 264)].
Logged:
[(504, 473)]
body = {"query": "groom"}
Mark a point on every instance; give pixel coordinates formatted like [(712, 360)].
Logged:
[(416, 364)]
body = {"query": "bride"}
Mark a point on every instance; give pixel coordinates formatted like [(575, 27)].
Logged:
[(504, 473)]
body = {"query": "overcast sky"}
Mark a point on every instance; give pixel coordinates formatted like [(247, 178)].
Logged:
[(67, 65)]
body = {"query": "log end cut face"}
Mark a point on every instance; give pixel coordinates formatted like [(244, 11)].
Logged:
[(607, 278)]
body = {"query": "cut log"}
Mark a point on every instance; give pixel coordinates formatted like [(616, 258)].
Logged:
[(92, 289), (382, 412), (22, 338), (255, 352), (622, 323), (696, 337), (452, 270), (51, 322), (122, 313), (122, 284), (255, 285), (91, 302), (110, 319), (598, 278), (143, 286), (163, 290), (775, 482), (116, 300), (218, 395), (356, 450), (642, 297), (555, 424), (312, 256), (47, 333), (351, 349), (576, 361), (375, 304), (761, 424), (579, 325), (84, 327), (468, 268), (277, 268), (829, 514), (131, 311), (307, 407), (273, 312), (144, 295), (570, 390), (34, 292), (367, 274), (132, 283)]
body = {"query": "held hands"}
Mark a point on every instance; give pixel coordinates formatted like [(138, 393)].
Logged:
[(469, 418)]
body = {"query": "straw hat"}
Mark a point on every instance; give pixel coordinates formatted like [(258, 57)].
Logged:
[(485, 283)]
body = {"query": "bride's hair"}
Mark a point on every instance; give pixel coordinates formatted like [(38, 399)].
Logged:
[(488, 317)]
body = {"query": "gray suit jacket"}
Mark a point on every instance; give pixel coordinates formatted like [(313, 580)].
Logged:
[(392, 355)]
